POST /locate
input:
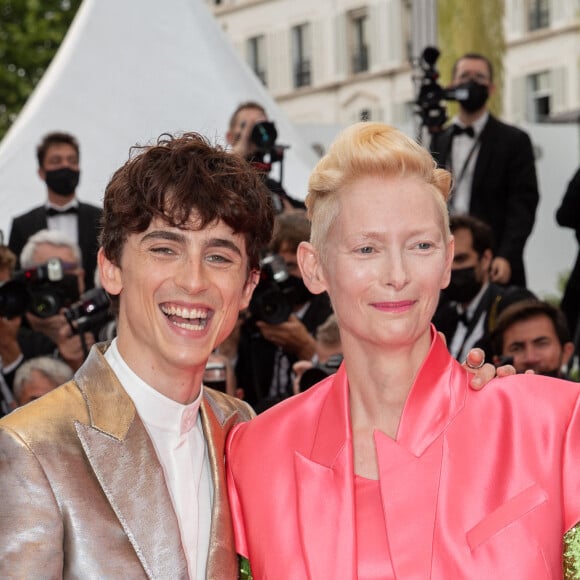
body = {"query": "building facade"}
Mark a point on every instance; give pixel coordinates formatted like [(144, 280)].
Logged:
[(339, 61)]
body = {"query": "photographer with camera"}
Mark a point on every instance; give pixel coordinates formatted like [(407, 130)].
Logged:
[(251, 135), (17, 343), (283, 319), (492, 164), (326, 359), (51, 254)]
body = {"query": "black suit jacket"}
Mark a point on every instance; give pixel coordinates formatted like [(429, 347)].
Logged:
[(494, 300), (568, 215), (89, 218), (505, 188)]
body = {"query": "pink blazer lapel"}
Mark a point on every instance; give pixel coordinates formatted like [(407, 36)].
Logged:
[(410, 467), (409, 491), (325, 491)]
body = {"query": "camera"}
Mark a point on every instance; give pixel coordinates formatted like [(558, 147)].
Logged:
[(429, 104), (90, 312), (215, 375), (264, 136), (276, 293), (320, 371), (42, 291)]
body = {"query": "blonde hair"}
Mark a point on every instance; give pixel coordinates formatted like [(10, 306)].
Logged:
[(365, 149)]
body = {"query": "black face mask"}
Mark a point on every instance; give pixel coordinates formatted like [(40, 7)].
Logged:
[(62, 181), (477, 96), (464, 285)]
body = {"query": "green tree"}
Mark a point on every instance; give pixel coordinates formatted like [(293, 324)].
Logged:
[(470, 26), (30, 33)]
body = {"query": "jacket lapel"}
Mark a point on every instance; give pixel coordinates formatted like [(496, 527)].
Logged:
[(409, 490), (410, 467), (124, 461), (483, 164), (222, 558), (325, 490)]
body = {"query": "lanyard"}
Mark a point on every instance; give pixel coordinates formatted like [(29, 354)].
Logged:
[(466, 162)]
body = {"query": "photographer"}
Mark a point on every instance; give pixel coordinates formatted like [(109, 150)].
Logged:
[(493, 167), (326, 359), (67, 343), (267, 350), (253, 136), (17, 343)]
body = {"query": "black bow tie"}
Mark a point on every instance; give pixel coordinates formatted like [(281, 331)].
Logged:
[(458, 130), (463, 318), (51, 211)]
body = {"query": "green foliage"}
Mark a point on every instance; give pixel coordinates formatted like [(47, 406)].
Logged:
[(30, 33), (470, 26)]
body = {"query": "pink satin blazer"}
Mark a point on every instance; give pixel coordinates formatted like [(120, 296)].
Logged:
[(477, 484)]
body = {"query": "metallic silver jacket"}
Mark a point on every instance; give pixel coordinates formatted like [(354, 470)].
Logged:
[(82, 492)]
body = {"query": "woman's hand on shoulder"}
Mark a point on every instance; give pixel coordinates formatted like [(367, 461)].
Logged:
[(483, 372)]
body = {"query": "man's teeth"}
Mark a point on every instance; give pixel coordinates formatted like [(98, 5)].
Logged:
[(197, 314)]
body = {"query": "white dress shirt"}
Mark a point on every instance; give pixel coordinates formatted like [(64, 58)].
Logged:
[(462, 343), (463, 163), (181, 447)]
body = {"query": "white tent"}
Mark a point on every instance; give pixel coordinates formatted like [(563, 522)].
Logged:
[(127, 71)]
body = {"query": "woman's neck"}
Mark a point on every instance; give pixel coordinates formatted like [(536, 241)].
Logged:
[(379, 384)]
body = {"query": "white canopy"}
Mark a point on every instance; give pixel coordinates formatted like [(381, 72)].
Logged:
[(127, 71)]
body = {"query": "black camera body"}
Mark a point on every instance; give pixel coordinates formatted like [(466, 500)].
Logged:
[(90, 312), (276, 294), (429, 103), (43, 291), (320, 371)]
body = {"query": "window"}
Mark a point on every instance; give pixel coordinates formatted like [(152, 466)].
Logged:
[(539, 89), (358, 24), (538, 14), (256, 56), (301, 55)]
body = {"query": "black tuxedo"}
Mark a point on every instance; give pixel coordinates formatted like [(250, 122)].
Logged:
[(505, 189), (89, 217), (493, 301), (568, 215)]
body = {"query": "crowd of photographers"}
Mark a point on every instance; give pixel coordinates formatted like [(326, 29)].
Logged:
[(51, 304)]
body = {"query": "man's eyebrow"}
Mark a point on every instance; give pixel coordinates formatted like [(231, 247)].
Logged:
[(223, 243), (164, 235)]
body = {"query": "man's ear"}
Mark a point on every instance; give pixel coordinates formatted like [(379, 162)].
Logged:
[(310, 265), (41, 173), (567, 352), (486, 260), (109, 274), (250, 286)]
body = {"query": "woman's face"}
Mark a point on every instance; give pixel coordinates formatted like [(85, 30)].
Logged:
[(386, 259)]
